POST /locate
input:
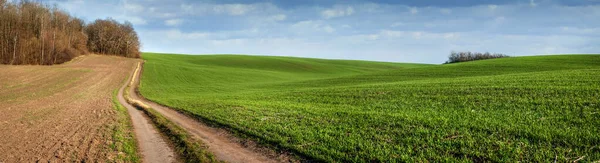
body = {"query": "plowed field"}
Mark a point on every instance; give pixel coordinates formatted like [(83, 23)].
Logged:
[(60, 113)]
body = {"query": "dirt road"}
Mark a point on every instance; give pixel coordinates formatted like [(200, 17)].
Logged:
[(60, 113), (152, 146), (218, 142)]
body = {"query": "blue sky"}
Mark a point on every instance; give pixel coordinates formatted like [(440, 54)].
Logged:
[(422, 31)]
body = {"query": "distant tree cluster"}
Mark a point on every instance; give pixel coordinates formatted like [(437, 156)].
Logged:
[(456, 57), (32, 33), (110, 37)]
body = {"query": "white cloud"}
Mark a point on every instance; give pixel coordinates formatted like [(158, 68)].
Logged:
[(337, 12), (446, 11), (532, 3), (398, 34), (278, 17), (175, 34), (233, 9), (310, 26), (155, 12), (580, 31), (451, 35), (329, 29), (134, 8), (500, 19), (166, 15), (227, 9), (417, 35), (390, 33), (492, 7), (414, 10), (188, 8), (178, 35), (173, 22), (135, 20), (397, 24), (369, 7), (372, 37)]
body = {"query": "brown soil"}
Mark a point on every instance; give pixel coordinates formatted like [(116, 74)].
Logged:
[(60, 113), (224, 146), (152, 146)]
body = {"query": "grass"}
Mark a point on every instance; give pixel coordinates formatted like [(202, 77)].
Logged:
[(186, 147), (123, 136), (534, 109)]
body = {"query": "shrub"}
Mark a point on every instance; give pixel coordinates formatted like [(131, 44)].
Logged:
[(456, 57)]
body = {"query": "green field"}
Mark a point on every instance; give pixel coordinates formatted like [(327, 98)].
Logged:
[(539, 109)]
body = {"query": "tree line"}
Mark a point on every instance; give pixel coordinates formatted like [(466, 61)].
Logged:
[(456, 57), (33, 33)]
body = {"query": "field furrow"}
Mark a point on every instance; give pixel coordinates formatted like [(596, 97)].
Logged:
[(62, 112)]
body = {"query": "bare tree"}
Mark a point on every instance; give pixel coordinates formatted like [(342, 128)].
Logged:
[(113, 38), (32, 33)]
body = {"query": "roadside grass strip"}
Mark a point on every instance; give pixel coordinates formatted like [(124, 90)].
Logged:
[(186, 146), (123, 136)]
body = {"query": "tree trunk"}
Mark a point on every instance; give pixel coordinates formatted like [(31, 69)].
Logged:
[(54, 45), (14, 49), (42, 38)]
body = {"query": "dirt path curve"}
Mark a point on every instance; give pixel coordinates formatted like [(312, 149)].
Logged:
[(152, 146), (224, 148)]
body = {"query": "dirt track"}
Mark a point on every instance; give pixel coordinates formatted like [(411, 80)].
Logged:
[(219, 143), (60, 113), (64, 113), (152, 146)]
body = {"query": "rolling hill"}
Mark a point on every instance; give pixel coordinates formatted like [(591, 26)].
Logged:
[(539, 109)]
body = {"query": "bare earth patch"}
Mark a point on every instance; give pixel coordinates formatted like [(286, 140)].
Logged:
[(60, 113)]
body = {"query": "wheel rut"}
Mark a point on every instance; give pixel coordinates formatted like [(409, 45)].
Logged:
[(218, 142), (152, 146)]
